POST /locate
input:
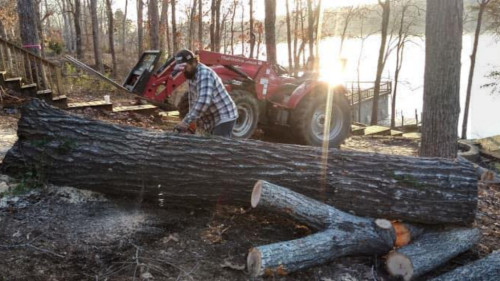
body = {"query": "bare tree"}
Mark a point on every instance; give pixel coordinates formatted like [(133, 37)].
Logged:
[(482, 7), (95, 36), (140, 26), (78, 29), (443, 31), (124, 27), (252, 35), (242, 28), (164, 28), (111, 31), (191, 24), (200, 24), (235, 4), (386, 11), (154, 25), (348, 14), (289, 37), (270, 22), (310, 27), (175, 41)]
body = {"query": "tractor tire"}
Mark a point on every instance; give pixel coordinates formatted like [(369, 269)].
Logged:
[(183, 105), (248, 114), (307, 120)]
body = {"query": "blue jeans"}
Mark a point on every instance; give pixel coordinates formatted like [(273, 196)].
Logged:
[(224, 129)]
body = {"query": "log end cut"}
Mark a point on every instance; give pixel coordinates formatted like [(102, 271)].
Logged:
[(254, 261), (256, 193), (400, 265)]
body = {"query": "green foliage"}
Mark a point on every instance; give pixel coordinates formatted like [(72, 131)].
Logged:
[(28, 182), (407, 180), (56, 47)]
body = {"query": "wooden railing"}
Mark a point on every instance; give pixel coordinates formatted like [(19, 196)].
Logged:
[(365, 91), (33, 69)]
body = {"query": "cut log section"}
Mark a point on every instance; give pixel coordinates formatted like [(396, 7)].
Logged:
[(486, 269), (346, 234), (74, 151), (430, 251)]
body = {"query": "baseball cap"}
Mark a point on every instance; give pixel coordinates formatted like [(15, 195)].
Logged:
[(184, 56)]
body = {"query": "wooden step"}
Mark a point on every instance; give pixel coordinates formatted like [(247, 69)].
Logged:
[(98, 104), (29, 89), (377, 131), (59, 101), (395, 133), (44, 92), (357, 130), (143, 109), (13, 84)]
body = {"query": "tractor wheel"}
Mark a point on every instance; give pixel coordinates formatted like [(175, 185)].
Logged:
[(183, 105), (308, 119), (248, 114)]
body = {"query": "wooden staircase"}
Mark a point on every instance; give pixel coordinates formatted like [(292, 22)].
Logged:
[(26, 73)]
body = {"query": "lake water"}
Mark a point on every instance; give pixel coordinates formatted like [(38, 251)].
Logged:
[(485, 107)]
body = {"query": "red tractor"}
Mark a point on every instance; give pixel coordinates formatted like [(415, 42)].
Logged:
[(266, 95)]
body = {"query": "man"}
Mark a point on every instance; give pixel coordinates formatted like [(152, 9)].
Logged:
[(209, 102)]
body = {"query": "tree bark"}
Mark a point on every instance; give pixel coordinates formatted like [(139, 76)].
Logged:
[(217, 25), (310, 27), (95, 36), (252, 35), (191, 25), (486, 269), (27, 25), (200, 25), (154, 25), (289, 37), (164, 28), (175, 43), (482, 6), (430, 251), (235, 3), (140, 26), (345, 234), (39, 27), (78, 30), (386, 12), (123, 160), (441, 110), (111, 31), (124, 27), (270, 24)]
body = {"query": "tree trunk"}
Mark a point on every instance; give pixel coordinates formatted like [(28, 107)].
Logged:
[(399, 62), (217, 25), (486, 269), (140, 26), (164, 28), (482, 7), (310, 27), (27, 26), (430, 251), (289, 37), (270, 25), (90, 154), (386, 12), (39, 27), (200, 25), (296, 57), (175, 43), (242, 29), (345, 234), (78, 30), (2, 31), (95, 36), (232, 26), (72, 37), (111, 31), (65, 28), (154, 25), (252, 35), (191, 25), (124, 27), (441, 110)]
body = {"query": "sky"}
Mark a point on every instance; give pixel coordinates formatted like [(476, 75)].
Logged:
[(259, 6)]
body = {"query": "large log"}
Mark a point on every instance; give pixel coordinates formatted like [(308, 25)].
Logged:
[(430, 251), (486, 269), (345, 234), (69, 150)]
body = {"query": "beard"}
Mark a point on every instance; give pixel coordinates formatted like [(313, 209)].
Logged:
[(189, 75)]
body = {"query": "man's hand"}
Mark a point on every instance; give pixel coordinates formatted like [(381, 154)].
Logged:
[(181, 127)]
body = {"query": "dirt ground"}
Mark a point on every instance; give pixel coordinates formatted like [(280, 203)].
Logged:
[(59, 233)]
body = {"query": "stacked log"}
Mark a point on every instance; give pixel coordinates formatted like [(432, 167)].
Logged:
[(486, 269)]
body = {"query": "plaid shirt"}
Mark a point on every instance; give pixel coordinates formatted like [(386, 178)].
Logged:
[(209, 102)]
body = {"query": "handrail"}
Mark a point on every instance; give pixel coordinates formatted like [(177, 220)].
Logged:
[(27, 52)]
